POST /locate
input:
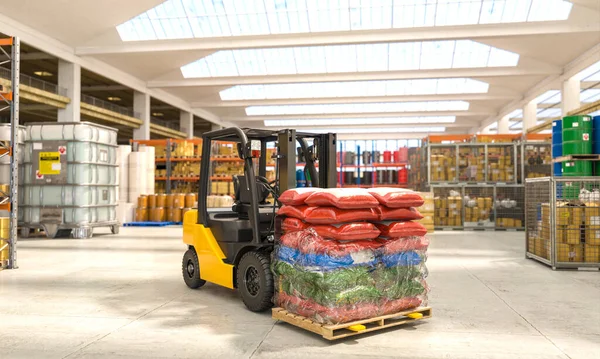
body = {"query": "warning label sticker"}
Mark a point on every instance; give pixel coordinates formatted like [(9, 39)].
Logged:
[(49, 163)]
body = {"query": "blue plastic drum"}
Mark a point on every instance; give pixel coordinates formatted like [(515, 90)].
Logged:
[(557, 141)]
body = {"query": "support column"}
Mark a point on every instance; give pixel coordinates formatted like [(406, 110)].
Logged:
[(571, 89), (141, 106), (503, 125), (186, 123), (529, 116), (69, 78)]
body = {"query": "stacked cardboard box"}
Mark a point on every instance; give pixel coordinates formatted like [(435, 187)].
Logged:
[(472, 169), (443, 167), (478, 211), (501, 170), (577, 233), (592, 233), (428, 211), (448, 211), (221, 188)]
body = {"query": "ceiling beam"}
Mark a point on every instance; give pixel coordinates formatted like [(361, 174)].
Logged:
[(61, 50), (32, 56), (369, 99), (101, 88), (582, 62), (356, 76), (362, 115), (434, 33)]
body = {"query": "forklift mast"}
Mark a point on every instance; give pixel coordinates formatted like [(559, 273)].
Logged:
[(323, 150)]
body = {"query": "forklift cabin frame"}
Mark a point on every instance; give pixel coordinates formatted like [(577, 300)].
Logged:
[(286, 166)]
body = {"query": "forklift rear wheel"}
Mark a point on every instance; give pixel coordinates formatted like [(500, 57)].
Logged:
[(255, 281), (190, 269)]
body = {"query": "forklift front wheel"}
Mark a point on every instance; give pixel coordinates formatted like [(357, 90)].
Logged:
[(255, 281), (190, 269)]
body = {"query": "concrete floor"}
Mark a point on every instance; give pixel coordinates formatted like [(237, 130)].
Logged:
[(123, 296)]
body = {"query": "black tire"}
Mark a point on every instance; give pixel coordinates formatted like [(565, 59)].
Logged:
[(255, 281), (190, 269)]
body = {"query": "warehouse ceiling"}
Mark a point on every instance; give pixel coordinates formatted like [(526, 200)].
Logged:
[(404, 66)]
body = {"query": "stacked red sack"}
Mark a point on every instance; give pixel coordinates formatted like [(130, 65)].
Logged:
[(330, 235)]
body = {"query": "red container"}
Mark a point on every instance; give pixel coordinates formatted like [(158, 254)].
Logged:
[(396, 156), (403, 176), (387, 156), (401, 155)]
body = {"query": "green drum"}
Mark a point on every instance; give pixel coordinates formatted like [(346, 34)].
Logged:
[(577, 169), (570, 190), (577, 135)]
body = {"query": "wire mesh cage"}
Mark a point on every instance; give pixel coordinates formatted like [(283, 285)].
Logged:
[(479, 207), (442, 163), (535, 160), (563, 221), (509, 206), (471, 162), (448, 202), (501, 162)]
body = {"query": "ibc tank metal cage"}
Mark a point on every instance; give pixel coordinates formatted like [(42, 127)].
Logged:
[(562, 218)]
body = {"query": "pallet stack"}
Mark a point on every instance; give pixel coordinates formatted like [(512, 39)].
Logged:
[(345, 255)]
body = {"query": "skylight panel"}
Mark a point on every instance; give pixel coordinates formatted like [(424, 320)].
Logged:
[(380, 130), (175, 19), (590, 95), (516, 114), (549, 97), (361, 121), (358, 108), (356, 58), (592, 73), (354, 89)]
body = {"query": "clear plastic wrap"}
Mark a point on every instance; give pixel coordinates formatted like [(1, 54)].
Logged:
[(401, 229), (296, 196), (343, 198), (396, 197), (398, 214), (343, 232), (334, 282)]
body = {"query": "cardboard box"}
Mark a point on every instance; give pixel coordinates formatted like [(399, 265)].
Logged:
[(569, 252), (591, 254), (572, 234)]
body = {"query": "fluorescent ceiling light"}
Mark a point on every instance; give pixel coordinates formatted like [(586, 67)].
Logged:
[(158, 114), (182, 19), (358, 108), (354, 89), (379, 130), (350, 58), (360, 121), (113, 98)]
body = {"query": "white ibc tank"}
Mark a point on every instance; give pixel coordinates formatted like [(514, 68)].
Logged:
[(5, 160), (80, 188)]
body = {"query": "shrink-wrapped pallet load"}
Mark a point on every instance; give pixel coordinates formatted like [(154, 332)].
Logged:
[(338, 261)]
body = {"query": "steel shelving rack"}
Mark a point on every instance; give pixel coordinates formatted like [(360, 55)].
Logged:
[(11, 101)]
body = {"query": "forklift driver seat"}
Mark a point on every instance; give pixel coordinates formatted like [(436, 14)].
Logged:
[(243, 199)]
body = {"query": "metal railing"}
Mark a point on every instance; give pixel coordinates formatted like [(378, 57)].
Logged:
[(109, 106), (35, 83), (165, 123)]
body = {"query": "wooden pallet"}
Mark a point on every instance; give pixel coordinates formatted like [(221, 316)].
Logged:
[(576, 157), (339, 331)]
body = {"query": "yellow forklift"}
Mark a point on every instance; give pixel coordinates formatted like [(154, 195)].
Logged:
[(231, 247)]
